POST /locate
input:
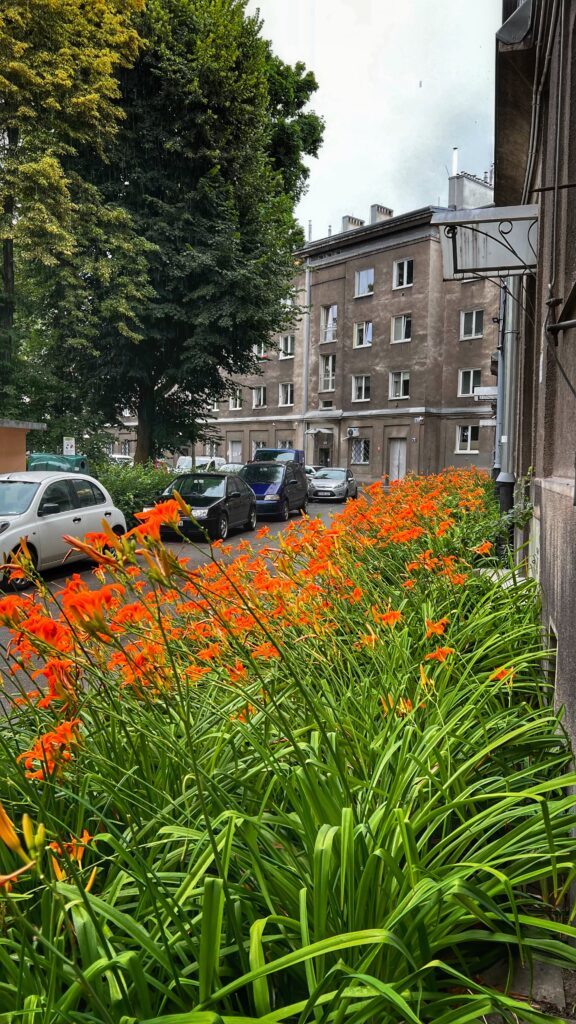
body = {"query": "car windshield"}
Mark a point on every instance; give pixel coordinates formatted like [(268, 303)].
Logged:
[(262, 474), (198, 485), (331, 474), (16, 496)]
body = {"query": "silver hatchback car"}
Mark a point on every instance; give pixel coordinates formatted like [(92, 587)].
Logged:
[(332, 483), (44, 507)]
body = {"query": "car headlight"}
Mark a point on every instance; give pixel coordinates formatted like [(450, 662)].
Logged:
[(199, 513), (270, 497), (4, 526)]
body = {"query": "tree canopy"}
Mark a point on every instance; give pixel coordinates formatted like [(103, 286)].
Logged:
[(182, 221)]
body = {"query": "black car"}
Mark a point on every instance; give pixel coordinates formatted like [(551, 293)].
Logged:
[(280, 487), (219, 502)]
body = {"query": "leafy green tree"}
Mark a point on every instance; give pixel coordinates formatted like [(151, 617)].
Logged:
[(207, 163), (59, 61)]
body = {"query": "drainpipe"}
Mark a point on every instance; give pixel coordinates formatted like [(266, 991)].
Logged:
[(306, 357), (500, 383), (507, 478)]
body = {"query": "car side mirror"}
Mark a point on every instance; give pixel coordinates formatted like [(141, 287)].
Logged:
[(49, 508)]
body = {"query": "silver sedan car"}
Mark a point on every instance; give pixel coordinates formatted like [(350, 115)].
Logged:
[(45, 507), (332, 483)]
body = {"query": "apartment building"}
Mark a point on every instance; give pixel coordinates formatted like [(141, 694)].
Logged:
[(380, 372)]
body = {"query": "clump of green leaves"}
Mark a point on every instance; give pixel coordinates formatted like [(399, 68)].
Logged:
[(132, 487)]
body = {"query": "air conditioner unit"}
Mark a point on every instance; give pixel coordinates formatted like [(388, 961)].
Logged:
[(353, 432)]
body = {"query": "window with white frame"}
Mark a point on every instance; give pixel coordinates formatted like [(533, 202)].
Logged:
[(401, 328), (471, 324), (327, 373), (329, 323), (399, 384), (211, 448), (259, 397), (467, 381), (286, 443), (235, 401), (360, 451), (403, 273), (287, 345), (467, 440), (256, 445), (327, 404), (260, 350), (125, 447), (364, 282), (286, 393), (363, 334), (360, 387), (215, 407)]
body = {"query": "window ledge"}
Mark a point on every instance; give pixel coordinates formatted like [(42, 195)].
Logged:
[(472, 451), (363, 295), (359, 399), (401, 287)]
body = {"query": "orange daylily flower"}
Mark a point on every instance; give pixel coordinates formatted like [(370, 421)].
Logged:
[(440, 654), (436, 628), (484, 548)]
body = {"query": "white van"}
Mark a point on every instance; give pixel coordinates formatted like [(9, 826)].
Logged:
[(209, 463)]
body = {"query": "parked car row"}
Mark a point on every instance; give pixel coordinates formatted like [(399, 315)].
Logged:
[(45, 507)]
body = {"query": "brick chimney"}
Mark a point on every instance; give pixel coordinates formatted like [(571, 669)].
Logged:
[(379, 213)]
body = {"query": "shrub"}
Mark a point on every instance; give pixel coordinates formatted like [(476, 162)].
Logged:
[(132, 487), (323, 782)]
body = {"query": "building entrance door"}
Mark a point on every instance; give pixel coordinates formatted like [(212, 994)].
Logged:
[(235, 451), (397, 458), (323, 456)]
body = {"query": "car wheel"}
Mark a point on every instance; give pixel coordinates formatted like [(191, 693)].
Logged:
[(22, 582), (221, 530), (251, 522), (284, 514), (346, 496)]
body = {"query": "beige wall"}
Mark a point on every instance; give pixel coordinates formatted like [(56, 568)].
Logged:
[(12, 449)]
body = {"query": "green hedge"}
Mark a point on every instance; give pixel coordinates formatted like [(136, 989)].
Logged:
[(132, 487)]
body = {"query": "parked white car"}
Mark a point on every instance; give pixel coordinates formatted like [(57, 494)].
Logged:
[(44, 507), (207, 463)]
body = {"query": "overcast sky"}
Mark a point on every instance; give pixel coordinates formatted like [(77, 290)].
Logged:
[(400, 83)]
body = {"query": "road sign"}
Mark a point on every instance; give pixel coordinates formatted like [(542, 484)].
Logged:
[(68, 446)]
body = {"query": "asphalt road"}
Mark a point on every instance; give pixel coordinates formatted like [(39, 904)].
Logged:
[(196, 554)]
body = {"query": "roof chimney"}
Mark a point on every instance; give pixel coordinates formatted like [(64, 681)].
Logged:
[(349, 223), (379, 213)]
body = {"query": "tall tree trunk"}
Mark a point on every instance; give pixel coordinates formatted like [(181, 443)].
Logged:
[(145, 429), (7, 279)]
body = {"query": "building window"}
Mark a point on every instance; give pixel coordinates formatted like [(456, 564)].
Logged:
[(256, 445), (327, 404), (360, 388), (364, 282), (260, 350), (327, 373), (235, 401), (399, 384), (471, 324), (287, 345), (259, 397), (403, 273), (363, 334), (328, 323), (125, 447), (211, 448), (215, 407), (467, 381), (286, 443), (467, 440), (360, 452), (402, 328), (286, 394)]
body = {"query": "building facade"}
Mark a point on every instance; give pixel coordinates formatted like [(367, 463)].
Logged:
[(535, 163), (379, 372)]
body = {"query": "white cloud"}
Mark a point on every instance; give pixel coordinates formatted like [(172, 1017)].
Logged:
[(400, 84)]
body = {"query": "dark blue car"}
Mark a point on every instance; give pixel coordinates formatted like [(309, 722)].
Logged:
[(280, 487)]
